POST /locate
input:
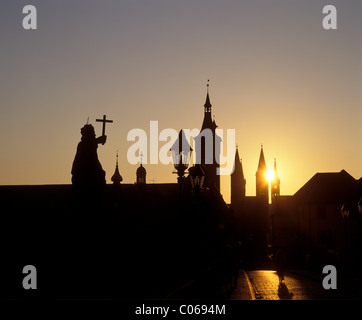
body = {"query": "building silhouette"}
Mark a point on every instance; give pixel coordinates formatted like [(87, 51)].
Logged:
[(141, 174), (108, 236), (209, 157), (238, 182), (139, 240), (262, 186), (252, 213), (320, 224), (328, 220), (275, 183)]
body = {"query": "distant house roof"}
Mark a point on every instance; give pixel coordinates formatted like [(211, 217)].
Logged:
[(329, 188)]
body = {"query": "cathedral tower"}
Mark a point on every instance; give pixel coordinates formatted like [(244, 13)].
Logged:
[(141, 175), (207, 139), (262, 186), (275, 183), (116, 178), (238, 181)]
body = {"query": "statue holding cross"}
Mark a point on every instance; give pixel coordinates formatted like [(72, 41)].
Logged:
[(104, 120), (87, 171)]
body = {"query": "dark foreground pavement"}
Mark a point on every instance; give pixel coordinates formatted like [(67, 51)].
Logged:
[(297, 285)]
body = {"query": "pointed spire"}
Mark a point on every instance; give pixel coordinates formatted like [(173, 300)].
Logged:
[(241, 166), (262, 164), (237, 158), (116, 178), (208, 123), (275, 184), (238, 164), (262, 185), (275, 168), (237, 181), (207, 104)]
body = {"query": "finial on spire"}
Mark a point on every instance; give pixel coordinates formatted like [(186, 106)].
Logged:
[(87, 120), (207, 104), (116, 178), (208, 84), (141, 156)]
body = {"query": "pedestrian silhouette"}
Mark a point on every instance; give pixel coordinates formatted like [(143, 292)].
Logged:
[(280, 264)]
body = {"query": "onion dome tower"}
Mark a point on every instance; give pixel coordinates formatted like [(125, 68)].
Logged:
[(117, 178)]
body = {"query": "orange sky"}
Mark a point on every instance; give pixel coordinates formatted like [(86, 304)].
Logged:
[(276, 77)]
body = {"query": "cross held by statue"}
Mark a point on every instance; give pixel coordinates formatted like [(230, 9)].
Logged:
[(104, 120)]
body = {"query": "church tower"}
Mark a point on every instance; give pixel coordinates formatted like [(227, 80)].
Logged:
[(141, 175), (116, 178), (238, 181), (275, 183), (207, 139), (262, 186), (208, 123)]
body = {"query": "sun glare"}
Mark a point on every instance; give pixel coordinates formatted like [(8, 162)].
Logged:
[(270, 175)]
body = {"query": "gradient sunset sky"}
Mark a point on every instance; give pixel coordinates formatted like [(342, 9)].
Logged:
[(276, 77)]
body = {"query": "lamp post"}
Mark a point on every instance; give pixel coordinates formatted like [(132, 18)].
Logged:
[(181, 152), (197, 177)]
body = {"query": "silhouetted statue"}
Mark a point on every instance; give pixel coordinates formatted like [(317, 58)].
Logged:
[(87, 171)]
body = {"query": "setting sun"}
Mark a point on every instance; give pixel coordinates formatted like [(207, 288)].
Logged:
[(270, 175)]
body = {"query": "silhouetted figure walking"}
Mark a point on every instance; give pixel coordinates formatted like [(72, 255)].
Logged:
[(87, 172), (280, 264)]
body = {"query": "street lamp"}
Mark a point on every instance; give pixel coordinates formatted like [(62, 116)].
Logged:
[(345, 214), (345, 211), (197, 177), (181, 152)]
